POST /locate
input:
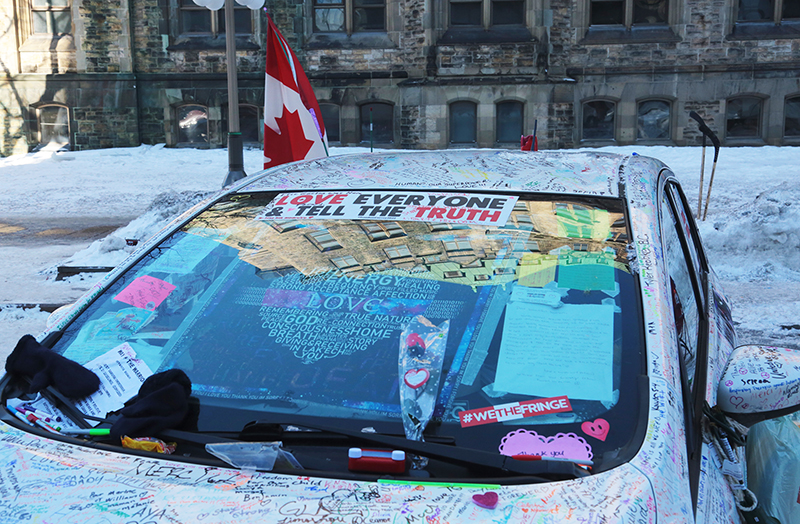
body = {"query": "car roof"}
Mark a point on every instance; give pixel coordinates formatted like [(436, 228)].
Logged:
[(580, 173)]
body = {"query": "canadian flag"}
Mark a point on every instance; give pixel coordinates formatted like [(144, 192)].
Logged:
[(293, 127)]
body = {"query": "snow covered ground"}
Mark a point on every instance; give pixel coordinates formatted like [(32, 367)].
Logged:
[(752, 232)]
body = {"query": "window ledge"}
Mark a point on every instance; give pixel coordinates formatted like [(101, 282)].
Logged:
[(654, 142), (620, 35), (764, 30), (744, 141), (58, 43), (494, 35), (205, 42), (598, 142), (376, 40)]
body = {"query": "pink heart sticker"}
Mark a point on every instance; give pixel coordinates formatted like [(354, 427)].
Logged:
[(415, 378), (486, 500), (597, 429)]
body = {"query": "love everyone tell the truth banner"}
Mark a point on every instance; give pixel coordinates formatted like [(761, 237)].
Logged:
[(458, 208)]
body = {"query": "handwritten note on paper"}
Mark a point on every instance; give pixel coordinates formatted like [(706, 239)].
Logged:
[(108, 331), (121, 375), (547, 352), (537, 270), (145, 292)]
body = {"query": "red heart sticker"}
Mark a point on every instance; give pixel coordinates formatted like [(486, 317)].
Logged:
[(597, 429), (415, 378), (486, 500)]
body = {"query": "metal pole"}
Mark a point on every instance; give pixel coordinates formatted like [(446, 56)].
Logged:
[(235, 146)]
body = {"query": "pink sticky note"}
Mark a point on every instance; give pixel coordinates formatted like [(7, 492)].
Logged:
[(145, 292)]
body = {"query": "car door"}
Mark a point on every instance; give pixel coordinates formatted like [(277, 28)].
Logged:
[(696, 314), (687, 275)]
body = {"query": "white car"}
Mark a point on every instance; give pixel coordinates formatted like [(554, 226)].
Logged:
[(426, 337)]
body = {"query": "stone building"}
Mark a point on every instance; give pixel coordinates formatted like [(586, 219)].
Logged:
[(85, 74)]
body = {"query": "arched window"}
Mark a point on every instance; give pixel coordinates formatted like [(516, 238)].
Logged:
[(508, 121), (791, 117), (377, 122), (463, 122), (330, 115), (598, 120), (192, 125), (653, 120), (743, 117), (53, 123)]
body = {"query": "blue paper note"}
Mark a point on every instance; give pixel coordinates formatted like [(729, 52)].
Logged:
[(548, 352)]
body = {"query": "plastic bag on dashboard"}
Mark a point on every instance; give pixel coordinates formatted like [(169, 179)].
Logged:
[(422, 348)]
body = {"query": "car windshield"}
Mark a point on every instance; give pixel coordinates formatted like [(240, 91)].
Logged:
[(516, 315)]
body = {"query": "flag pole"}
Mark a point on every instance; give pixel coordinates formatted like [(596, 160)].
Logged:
[(235, 145)]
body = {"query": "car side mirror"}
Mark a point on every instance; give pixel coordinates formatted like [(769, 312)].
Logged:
[(760, 383)]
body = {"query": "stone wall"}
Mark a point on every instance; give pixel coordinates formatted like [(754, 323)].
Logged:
[(105, 38), (97, 128), (560, 126), (487, 59)]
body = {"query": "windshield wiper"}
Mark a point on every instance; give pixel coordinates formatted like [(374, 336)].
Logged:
[(468, 457)]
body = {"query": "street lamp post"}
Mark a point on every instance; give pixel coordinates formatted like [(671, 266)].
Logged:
[(235, 145)]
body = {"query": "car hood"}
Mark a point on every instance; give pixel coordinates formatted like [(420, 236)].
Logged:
[(44, 480)]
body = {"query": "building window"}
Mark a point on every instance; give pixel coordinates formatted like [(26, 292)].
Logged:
[(457, 244), (53, 123), (509, 122), (250, 123), (486, 13), (323, 240), (598, 120), (349, 16), (192, 125), (463, 122), (791, 123), (330, 116), (51, 17), (394, 253), (377, 122), (345, 262), (653, 119), (629, 12), (768, 10), (199, 20), (743, 117)]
